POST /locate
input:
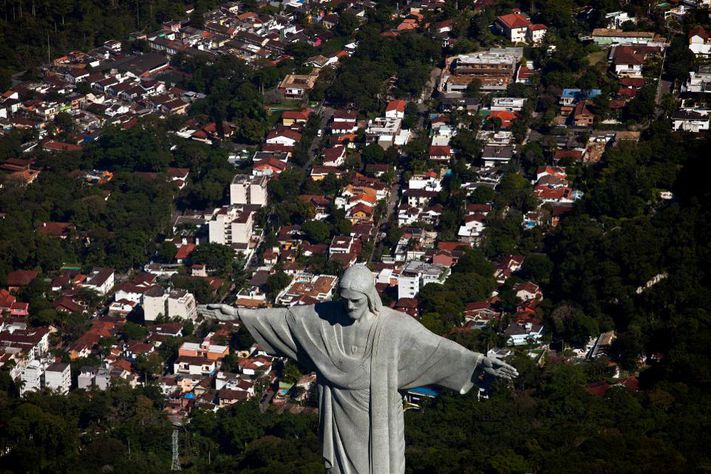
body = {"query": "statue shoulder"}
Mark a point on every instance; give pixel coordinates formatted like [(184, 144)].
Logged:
[(396, 318)]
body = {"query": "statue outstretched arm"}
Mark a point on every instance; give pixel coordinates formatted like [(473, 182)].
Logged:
[(498, 368), (219, 312)]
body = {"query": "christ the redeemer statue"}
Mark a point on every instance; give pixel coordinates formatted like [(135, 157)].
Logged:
[(363, 353)]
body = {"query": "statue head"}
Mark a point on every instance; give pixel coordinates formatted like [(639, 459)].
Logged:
[(357, 288)]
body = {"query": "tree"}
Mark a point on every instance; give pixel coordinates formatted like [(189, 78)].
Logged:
[(373, 153), (217, 257), (277, 282), (133, 332), (316, 231), (482, 195), (473, 89)]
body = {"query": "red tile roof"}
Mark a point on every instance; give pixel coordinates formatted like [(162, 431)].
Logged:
[(514, 20)]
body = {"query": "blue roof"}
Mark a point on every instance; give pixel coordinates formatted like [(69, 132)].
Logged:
[(425, 391), (581, 94), (189, 395)]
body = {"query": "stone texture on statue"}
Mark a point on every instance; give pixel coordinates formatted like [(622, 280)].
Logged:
[(363, 354)]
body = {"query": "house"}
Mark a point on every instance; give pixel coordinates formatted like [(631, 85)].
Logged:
[(395, 109), (255, 366), (607, 36), (493, 155), (334, 156), (440, 153), (18, 279), (283, 136), (6, 300), (268, 167), (570, 97), (582, 116), (527, 291), (505, 118), (33, 341), (186, 365), (408, 306), (690, 120), (121, 308), (700, 41), (628, 60), (101, 280), (507, 267), (471, 230), (206, 349), (480, 314), (58, 378), (517, 28), (60, 230), (508, 104), (699, 81), (294, 117), (344, 122), (297, 86), (523, 334), (341, 244), (319, 173), (307, 287)]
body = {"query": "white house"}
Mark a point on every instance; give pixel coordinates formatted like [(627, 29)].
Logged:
[(194, 366), (508, 104), (395, 109), (101, 280), (472, 228), (699, 81), (285, 137), (700, 41), (689, 120), (522, 334)]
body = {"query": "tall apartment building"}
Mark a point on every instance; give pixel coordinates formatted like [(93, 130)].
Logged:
[(416, 275), (246, 189), (58, 377), (231, 225), (176, 303)]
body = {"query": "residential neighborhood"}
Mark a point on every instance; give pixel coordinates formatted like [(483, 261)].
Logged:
[(510, 174)]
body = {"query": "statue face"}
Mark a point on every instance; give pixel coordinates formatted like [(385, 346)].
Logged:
[(356, 304)]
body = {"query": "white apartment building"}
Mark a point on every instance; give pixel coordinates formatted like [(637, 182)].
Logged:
[(246, 189), (181, 304), (416, 275), (31, 377), (177, 303), (58, 377), (231, 225), (154, 303)]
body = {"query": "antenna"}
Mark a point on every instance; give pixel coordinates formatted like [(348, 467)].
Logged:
[(175, 464)]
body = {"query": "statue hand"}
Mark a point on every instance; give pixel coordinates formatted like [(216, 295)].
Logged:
[(220, 312), (498, 368)]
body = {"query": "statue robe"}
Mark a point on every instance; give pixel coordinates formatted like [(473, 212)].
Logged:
[(361, 420)]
